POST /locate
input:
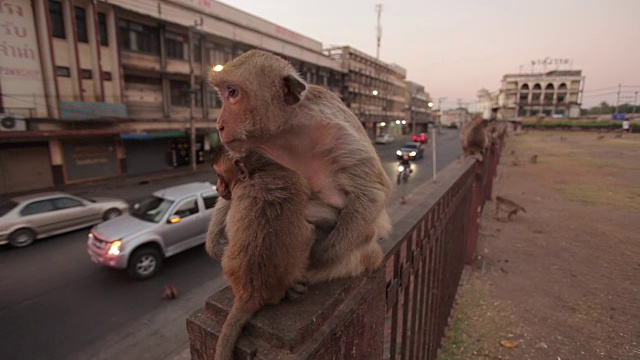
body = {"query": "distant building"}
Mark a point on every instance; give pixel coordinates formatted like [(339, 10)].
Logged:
[(103, 88), (375, 90), (455, 117), (418, 109), (556, 93)]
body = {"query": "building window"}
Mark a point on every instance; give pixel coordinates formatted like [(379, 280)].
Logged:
[(138, 37), (81, 24), (63, 71), (179, 93), (106, 76), (57, 19), (86, 74), (177, 46), (220, 54), (102, 25), (133, 79)]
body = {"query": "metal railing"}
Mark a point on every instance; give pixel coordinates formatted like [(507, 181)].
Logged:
[(423, 269)]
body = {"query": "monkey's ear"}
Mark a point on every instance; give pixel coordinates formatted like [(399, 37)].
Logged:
[(292, 89), (244, 174)]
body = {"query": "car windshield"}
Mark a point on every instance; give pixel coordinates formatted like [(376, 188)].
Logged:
[(86, 198), (151, 209), (410, 146), (5, 207)]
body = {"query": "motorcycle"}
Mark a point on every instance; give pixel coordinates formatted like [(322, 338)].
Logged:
[(403, 173)]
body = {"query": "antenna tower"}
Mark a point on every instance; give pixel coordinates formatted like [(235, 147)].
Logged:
[(378, 31)]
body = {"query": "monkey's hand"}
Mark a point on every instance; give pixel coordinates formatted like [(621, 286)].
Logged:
[(367, 195), (216, 235)]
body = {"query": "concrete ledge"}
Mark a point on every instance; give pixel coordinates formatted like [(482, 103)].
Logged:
[(330, 321)]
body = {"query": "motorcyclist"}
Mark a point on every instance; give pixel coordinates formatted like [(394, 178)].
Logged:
[(405, 162)]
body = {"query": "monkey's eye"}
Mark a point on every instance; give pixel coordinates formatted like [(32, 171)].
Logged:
[(232, 92)]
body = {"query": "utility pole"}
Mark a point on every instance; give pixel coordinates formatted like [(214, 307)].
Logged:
[(439, 121), (618, 98), (192, 90), (635, 102), (378, 31)]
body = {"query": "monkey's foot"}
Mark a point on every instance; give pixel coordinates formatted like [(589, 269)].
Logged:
[(297, 290)]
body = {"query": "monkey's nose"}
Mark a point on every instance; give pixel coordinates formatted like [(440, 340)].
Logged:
[(220, 128)]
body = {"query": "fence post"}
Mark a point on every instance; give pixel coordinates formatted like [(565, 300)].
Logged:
[(491, 170), (476, 206)]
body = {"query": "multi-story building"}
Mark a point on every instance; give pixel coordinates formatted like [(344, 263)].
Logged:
[(489, 104), (554, 93), (455, 117), (375, 90), (418, 112), (106, 88)]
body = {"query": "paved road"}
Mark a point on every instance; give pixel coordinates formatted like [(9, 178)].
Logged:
[(56, 304)]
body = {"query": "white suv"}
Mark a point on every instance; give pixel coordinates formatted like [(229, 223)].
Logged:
[(163, 224)]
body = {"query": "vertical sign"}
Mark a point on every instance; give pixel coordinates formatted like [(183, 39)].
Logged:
[(20, 72)]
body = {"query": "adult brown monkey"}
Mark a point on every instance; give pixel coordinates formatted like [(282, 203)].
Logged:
[(474, 138), (261, 261), (306, 128)]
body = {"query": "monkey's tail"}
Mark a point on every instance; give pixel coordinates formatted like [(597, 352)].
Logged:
[(238, 317)]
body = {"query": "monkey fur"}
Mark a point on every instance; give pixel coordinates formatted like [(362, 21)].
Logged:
[(268, 108), (269, 239), (511, 207), (170, 292), (474, 138)]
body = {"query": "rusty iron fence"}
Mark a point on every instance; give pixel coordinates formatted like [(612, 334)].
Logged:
[(423, 269)]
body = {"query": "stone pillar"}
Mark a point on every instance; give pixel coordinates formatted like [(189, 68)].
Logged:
[(342, 319)]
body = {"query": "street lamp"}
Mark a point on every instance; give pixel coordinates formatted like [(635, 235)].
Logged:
[(375, 92), (218, 68), (383, 124), (398, 122), (404, 122), (430, 104)]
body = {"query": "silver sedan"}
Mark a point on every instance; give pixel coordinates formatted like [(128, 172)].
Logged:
[(27, 218)]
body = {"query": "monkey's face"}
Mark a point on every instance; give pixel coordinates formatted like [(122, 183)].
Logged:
[(235, 117), (258, 92)]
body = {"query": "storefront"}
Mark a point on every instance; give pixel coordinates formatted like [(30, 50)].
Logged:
[(158, 151), (89, 159), (24, 166)]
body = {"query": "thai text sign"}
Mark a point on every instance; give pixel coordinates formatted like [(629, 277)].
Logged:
[(90, 110)]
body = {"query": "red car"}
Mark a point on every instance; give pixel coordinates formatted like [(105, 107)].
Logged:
[(422, 138)]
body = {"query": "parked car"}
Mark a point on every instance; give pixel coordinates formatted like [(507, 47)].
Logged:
[(27, 218), (163, 224), (421, 138), (384, 139), (415, 150)]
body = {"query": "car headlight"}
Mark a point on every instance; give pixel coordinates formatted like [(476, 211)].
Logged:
[(413, 153), (399, 153), (400, 168), (114, 248)]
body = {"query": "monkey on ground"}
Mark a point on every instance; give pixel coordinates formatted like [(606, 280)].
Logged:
[(474, 138), (507, 205), (269, 239), (534, 159), (170, 292), (268, 108)]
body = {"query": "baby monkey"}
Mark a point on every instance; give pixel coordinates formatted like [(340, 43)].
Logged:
[(269, 239)]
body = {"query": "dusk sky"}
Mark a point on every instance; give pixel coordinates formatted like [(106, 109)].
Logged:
[(455, 48)]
